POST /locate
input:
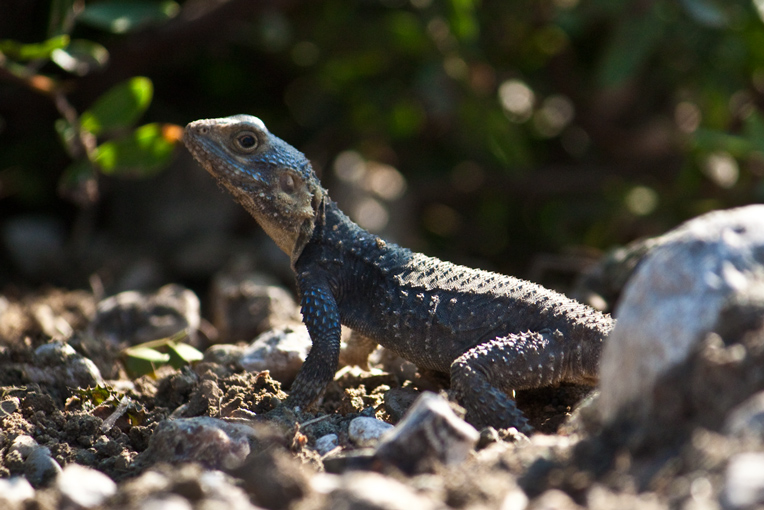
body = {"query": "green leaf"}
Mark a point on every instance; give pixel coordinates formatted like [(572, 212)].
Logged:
[(183, 354), (143, 360), (21, 51), (119, 16), (142, 153), (81, 57), (120, 107)]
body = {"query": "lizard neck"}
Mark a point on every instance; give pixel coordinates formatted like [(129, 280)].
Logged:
[(336, 237)]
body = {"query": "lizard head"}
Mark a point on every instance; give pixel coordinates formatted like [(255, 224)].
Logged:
[(271, 179)]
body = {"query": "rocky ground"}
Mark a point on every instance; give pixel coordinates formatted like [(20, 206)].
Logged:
[(83, 423)]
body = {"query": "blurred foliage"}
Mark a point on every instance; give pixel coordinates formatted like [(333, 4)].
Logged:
[(520, 126)]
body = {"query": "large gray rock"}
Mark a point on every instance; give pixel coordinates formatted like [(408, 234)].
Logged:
[(281, 351), (430, 434), (675, 298)]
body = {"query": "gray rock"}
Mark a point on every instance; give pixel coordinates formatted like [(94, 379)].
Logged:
[(327, 443), (134, 317), (24, 445), (59, 363), (430, 433), (674, 300), (371, 491), (40, 468), (9, 406), (747, 419), (744, 481), (364, 431), (214, 443), (224, 354), (281, 351), (83, 487), (14, 491), (181, 488), (554, 499), (244, 306)]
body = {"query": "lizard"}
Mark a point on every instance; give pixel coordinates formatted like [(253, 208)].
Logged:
[(489, 332)]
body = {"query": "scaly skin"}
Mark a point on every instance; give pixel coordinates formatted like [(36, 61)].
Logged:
[(492, 333)]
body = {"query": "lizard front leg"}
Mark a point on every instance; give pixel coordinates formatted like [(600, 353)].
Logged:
[(322, 318)]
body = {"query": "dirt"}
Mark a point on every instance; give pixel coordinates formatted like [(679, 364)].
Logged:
[(678, 456)]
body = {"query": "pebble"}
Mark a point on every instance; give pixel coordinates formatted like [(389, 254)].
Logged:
[(364, 431), (83, 487), (430, 433), (554, 499), (281, 351), (372, 491), (58, 363), (15, 490), (214, 443), (246, 305), (747, 419), (674, 300), (24, 445), (327, 443), (744, 481), (183, 487), (40, 467), (133, 317)]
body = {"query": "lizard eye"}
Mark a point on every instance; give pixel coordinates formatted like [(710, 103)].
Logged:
[(287, 183), (246, 141)]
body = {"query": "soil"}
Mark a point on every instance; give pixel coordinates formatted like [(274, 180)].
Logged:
[(679, 456)]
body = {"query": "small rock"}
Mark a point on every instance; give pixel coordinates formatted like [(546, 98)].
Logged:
[(674, 300), (59, 363), (274, 478), (327, 443), (364, 431), (248, 305), (373, 491), (9, 406), (747, 419), (83, 487), (40, 467), (554, 499), (429, 433), (281, 351), (744, 481), (182, 488), (515, 499), (24, 445), (15, 490), (214, 443), (399, 400), (224, 354), (133, 317)]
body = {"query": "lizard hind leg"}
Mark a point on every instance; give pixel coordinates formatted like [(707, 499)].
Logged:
[(483, 376)]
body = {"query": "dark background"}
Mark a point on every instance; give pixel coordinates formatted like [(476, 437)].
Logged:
[(521, 136)]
